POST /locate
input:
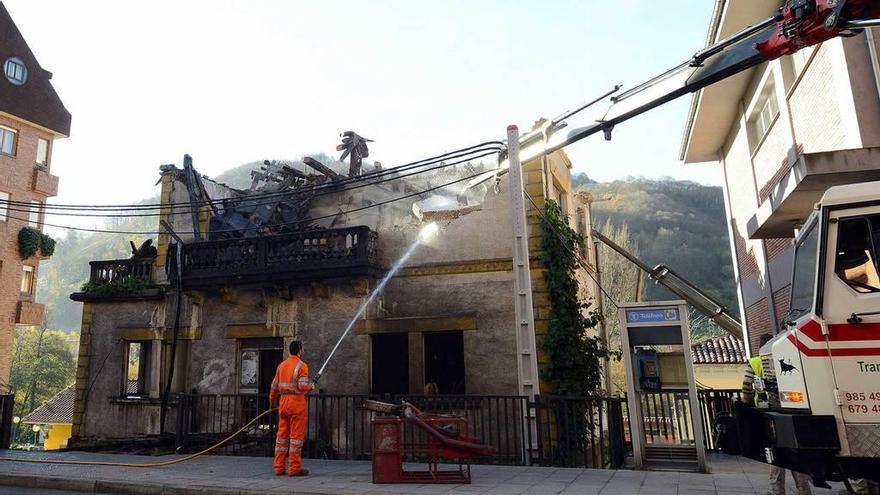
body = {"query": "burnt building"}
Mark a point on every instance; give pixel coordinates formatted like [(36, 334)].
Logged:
[(257, 273), (32, 117)]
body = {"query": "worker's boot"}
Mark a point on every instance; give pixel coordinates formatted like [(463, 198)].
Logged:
[(301, 472)]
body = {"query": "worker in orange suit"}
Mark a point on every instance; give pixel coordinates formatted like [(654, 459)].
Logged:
[(289, 389)]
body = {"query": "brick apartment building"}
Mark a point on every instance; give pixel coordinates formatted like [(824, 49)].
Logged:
[(783, 133), (31, 117)]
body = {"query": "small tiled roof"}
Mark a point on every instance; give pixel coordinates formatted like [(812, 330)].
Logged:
[(720, 350), (57, 410)]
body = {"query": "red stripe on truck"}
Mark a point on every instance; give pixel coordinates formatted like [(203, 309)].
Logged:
[(846, 352), (840, 332)]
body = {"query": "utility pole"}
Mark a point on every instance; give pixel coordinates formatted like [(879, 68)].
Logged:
[(593, 259), (527, 356)]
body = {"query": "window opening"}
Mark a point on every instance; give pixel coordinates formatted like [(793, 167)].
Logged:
[(803, 286), (762, 116), (27, 280), (136, 365), (4, 213), (390, 363), (7, 141), (42, 152), (34, 214), (258, 360), (15, 71), (444, 361), (856, 258)]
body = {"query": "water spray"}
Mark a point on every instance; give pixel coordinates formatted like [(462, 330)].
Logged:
[(427, 233)]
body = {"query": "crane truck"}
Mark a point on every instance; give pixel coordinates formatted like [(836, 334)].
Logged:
[(822, 372)]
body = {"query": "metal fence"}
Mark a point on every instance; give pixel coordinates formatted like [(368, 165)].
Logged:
[(578, 432), (667, 415), (339, 427), (549, 431)]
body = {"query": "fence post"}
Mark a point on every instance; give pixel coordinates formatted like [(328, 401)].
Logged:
[(182, 407), (536, 427), (6, 405), (617, 442)]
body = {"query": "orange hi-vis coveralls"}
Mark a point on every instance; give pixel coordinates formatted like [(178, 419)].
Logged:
[(289, 389)]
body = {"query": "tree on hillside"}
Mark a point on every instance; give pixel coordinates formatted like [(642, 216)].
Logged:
[(42, 366), (620, 278), (678, 223)]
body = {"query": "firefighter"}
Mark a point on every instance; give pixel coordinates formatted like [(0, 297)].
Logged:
[(289, 389), (753, 393)]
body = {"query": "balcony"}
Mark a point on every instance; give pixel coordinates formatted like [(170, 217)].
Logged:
[(29, 313), (790, 200), (119, 279), (45, 183), (280, 259)]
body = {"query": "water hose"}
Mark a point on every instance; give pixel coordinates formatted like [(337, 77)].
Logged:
[(139, 465)]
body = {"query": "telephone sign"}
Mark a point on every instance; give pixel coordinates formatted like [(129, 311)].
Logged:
[(655, 315)]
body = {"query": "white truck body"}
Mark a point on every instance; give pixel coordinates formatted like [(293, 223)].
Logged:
[(826, 363)]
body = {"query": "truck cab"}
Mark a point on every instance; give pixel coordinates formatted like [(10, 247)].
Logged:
[(822, 370)]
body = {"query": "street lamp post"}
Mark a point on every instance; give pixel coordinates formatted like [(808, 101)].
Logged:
[(15, 421)]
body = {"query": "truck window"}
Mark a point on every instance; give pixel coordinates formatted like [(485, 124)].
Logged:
[(803, 286), (856, 259)]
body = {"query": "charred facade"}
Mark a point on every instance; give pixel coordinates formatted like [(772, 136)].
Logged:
[(295, 255)]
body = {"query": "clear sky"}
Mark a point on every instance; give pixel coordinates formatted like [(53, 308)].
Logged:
[(235, 81)]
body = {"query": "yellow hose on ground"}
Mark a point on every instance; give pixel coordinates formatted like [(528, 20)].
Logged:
[(147, 465)]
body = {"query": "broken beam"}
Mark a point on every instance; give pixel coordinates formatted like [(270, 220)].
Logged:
[(320, 167)]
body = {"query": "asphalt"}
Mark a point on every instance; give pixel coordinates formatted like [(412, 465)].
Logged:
[(253, 475)]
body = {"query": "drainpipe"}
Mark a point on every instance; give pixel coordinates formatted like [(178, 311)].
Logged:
[(875, 60)]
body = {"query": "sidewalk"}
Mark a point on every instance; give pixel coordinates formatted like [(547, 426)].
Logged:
[(253, 475)]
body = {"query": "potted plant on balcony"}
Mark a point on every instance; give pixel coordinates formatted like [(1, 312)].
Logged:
[(31, 241)]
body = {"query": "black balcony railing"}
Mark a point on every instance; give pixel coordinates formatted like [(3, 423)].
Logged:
[(300, 256)]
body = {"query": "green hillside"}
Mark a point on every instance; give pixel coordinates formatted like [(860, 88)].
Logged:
[(677, 223)]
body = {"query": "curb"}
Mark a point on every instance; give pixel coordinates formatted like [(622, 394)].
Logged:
[(127, 487), (108, 486)]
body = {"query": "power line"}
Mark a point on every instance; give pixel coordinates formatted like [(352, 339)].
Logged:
[(493, 146), (341, 212), (577, 256), (250, 200)]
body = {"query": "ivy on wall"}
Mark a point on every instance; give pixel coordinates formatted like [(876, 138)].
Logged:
[(575, 357)]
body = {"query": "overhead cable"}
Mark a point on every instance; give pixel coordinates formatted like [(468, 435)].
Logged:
[(341, 212), (187, 208), (493, 146)]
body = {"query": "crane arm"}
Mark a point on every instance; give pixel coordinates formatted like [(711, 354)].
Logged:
[(796, 25), (677, 284)]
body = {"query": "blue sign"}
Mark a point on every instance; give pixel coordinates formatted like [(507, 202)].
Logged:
[(651, 315)]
